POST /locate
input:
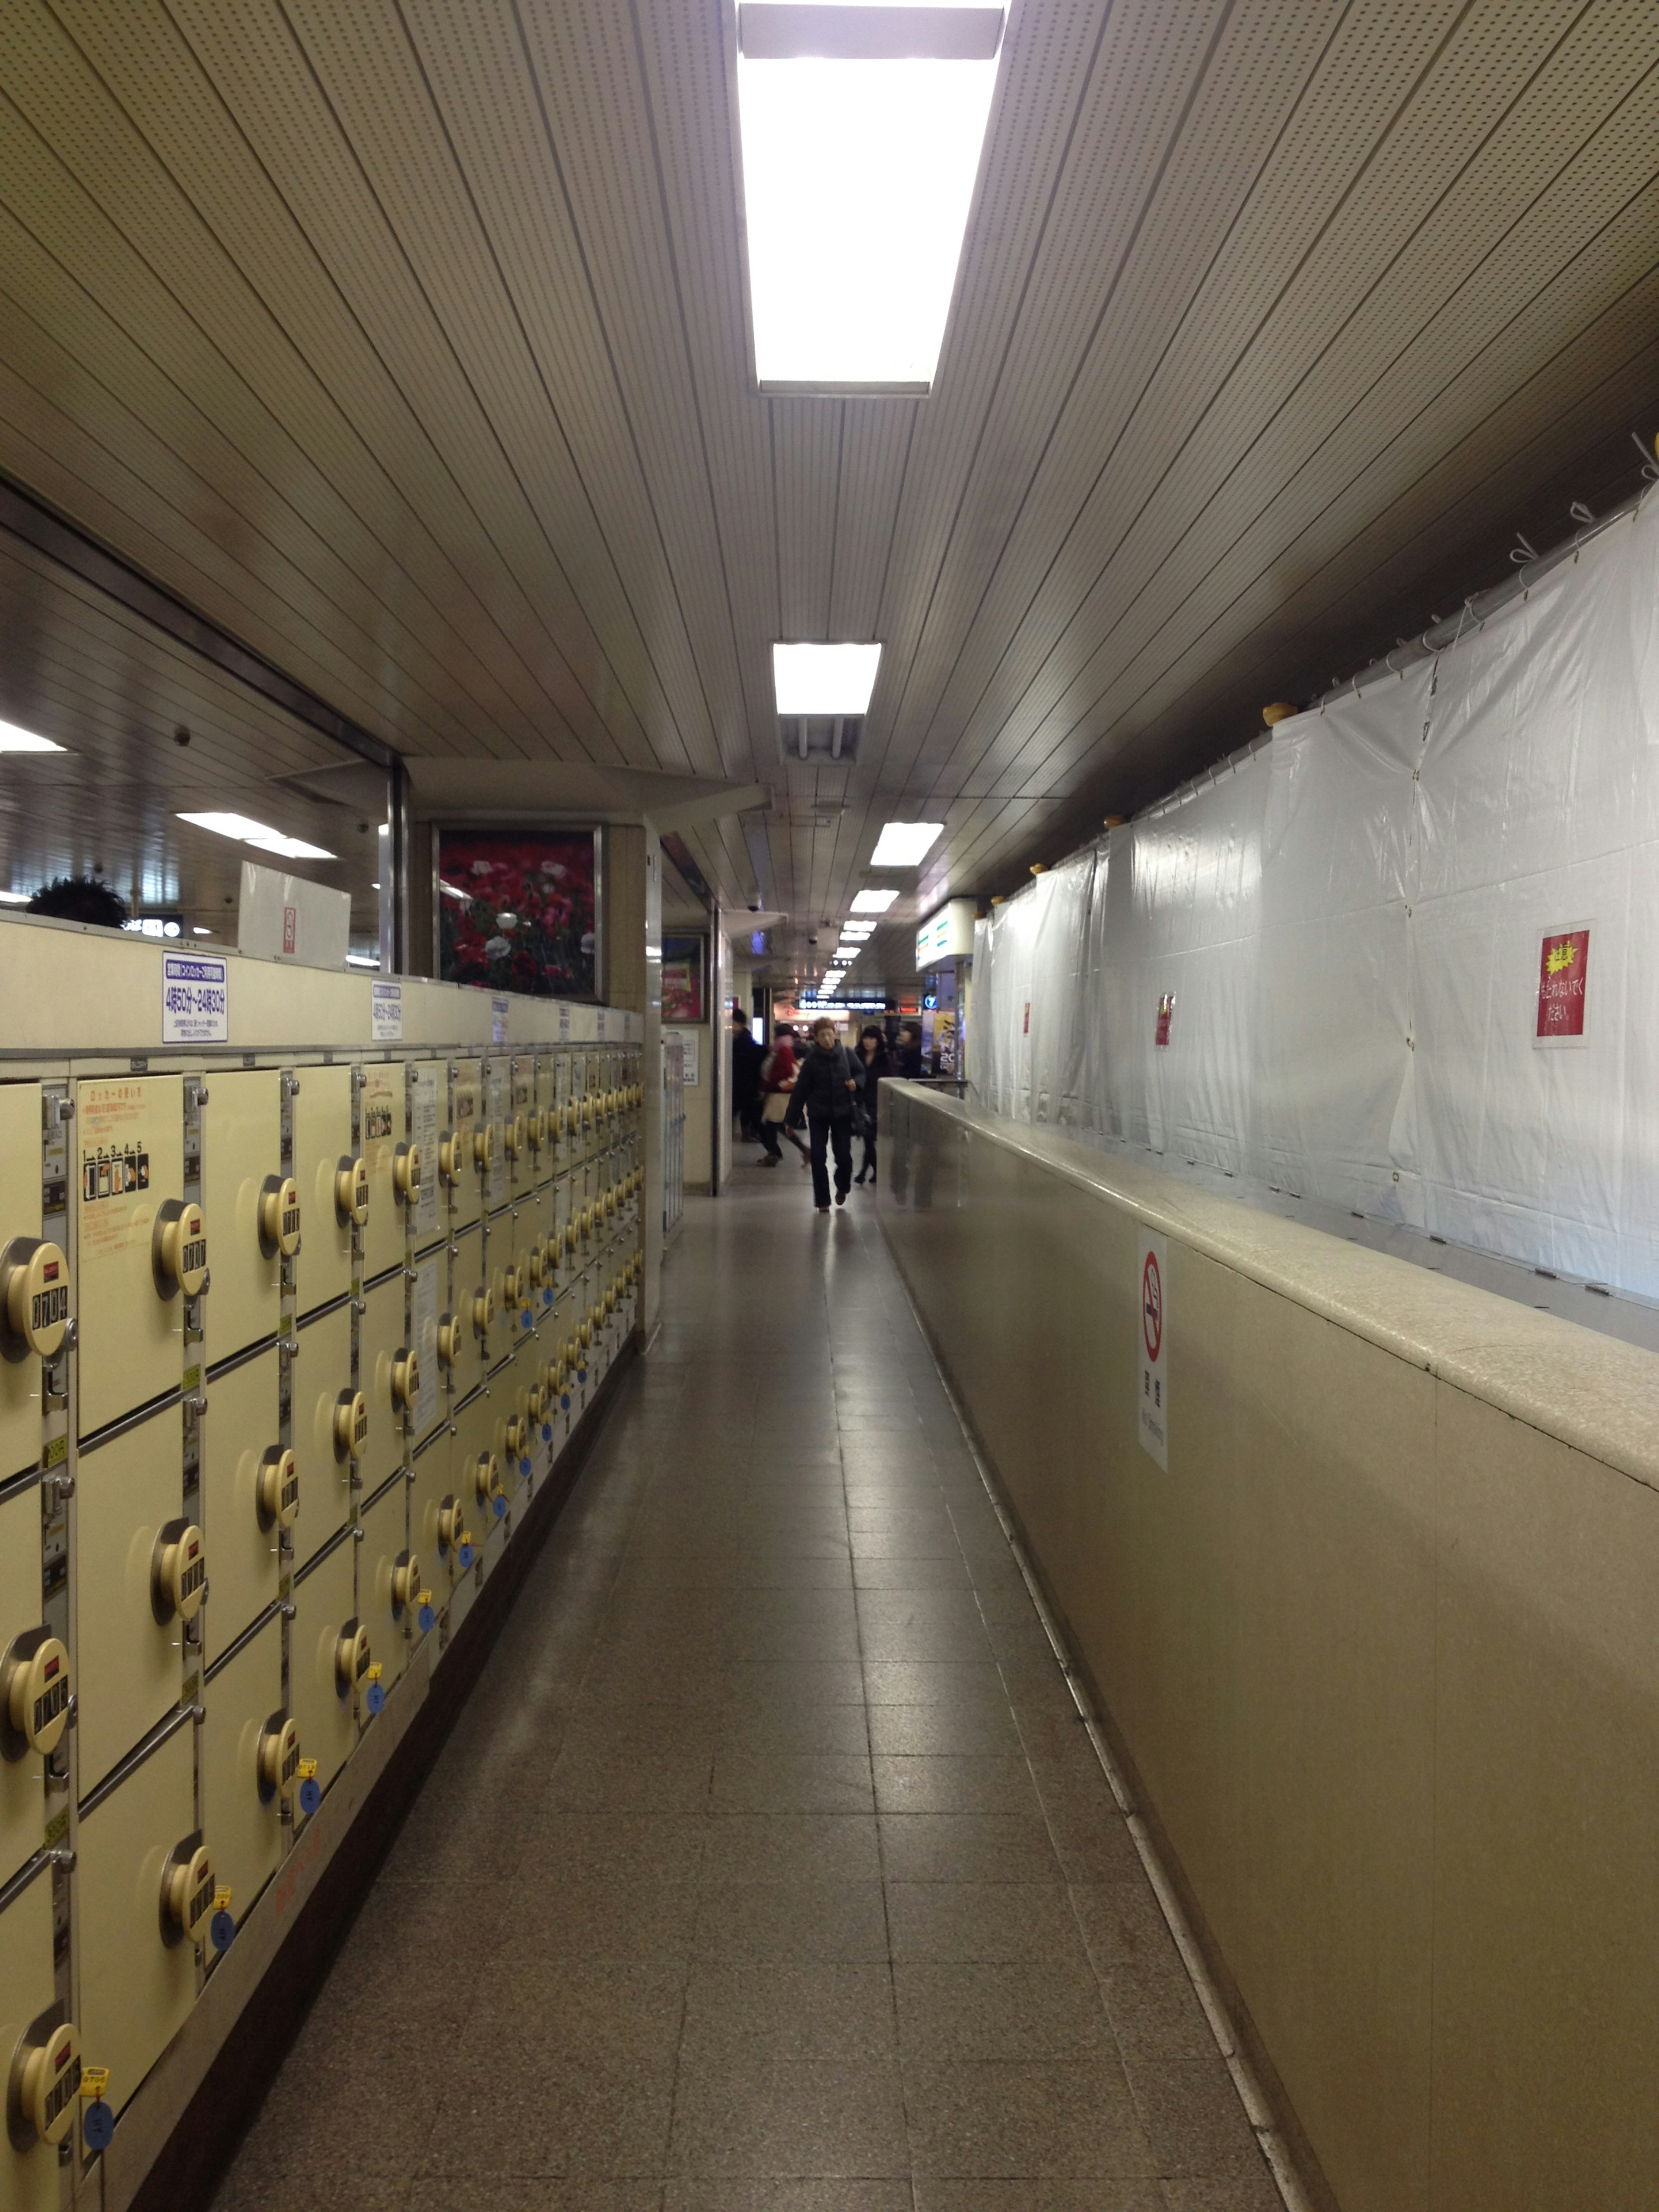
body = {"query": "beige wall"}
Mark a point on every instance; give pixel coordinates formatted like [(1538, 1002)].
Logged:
[(1380, 1644)]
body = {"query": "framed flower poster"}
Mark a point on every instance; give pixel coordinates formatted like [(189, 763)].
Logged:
[(519, 909)]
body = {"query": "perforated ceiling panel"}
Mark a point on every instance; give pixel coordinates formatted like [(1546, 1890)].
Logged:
[(408, 341)]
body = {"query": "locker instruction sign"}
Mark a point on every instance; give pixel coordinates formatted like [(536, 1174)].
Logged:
[(195, 998), (1153, 1347)]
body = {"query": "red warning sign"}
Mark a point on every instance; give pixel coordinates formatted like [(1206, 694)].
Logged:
[(1563, 986)]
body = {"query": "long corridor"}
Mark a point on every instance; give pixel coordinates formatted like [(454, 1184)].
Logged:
[(769, 1869)]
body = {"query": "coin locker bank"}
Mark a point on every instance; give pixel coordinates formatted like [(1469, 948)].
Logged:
[(293, 1324)]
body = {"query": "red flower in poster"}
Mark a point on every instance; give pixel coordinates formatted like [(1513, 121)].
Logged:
[(517, 911)]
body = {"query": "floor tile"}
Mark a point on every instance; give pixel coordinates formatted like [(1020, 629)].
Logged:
[(794, 2011), (983, 1847), (831, 1922), (983, 2012), (963, 1922), (1070, 2118), (756, 2114), (952, 1784), (791, 1782), (791, 1847)]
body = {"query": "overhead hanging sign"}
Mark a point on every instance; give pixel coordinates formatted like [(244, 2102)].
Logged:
[(1562, 986), (1153, 1347)]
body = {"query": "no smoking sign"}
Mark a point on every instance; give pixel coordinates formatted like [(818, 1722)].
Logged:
[(1152, 1393)]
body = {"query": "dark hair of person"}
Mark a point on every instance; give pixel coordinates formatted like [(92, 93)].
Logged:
[(870, 1029), (80, 898)]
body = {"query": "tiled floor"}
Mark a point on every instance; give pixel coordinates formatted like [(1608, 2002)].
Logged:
[(769, 1870)]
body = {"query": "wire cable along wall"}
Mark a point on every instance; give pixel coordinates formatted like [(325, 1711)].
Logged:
[(1401, 956)]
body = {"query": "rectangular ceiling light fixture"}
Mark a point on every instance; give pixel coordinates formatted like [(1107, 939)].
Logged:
[(873, 901), (825, 679), (15, 741), (246, 831), (861, 128), (905, 844)]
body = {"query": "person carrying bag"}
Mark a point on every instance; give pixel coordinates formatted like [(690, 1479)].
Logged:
[(777, 1081)]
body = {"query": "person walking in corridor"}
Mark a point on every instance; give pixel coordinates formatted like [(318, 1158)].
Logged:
[(873, 1065), (777, 1081), (825, 1090)]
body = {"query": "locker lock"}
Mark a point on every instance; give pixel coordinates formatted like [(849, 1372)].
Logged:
[(512, 1288), (351, 1190), (537, 1398), (512, 1436), (34, 1694), (178, 1573), (451, 1152), (187, 1887), (277, 1491), (449, 1338), (279, 1215), (610, 1300), (45, 2082), (536, 1128), (532, 1267), (35, 1299), (406, 1173), (179, 1248), (350, 1424), (405, 1377), (586, 1333), (451, 1519), (483, 1145), (487, 1477), (406, 1582), (515, 1136), (278, 1758), (570, 1235), (483, 1309), (351, 1660), (610, 1205)]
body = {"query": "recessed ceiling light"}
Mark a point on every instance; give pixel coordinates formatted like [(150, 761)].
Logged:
[(873, 901), (15, 741), (905, 844), (363, 960), (825, 679), (246, 831), (15, 899), (199, 932), (861, 130)]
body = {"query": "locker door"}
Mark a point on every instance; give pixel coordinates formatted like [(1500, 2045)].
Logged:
[(19, 1220), (324, 1602), (391, 1575), (383, 1141), (23, 1770), (323, 1154), (385, 1376), (322, 1379), (241, 1810), (242, 1189), (461, 1179), (131, 1656), (129, 1162), (28, 2178), (137, 1988), (241, 1465)]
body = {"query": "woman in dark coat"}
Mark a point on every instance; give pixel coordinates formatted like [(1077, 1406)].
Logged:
[(874, 1064), (825, 1088)]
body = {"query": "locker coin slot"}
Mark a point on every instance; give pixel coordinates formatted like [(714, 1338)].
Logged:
[(278, 1759), (34, 1694), (406, 1173), (483, 1309), (277, 1489), (449, 1338), (350, 1424), (34, 1298), (187, 1890), (449, 1156), (351, 1191), (351, 1657), (178, 1573), (487, 1481), (178, 1249), (514, 1137), (451, 1521), (484, 1145), (279, 1217), (45, 2082)]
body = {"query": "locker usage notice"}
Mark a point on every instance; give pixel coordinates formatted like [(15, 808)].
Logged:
[(195, 1000)]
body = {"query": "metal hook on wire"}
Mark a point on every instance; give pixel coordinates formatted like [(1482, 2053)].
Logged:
[(1523, 551)]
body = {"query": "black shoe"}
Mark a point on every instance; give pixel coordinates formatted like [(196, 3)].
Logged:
[(841, 1198), (859, 1177)]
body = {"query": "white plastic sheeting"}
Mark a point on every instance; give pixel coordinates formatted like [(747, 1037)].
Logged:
[(1346, 934)]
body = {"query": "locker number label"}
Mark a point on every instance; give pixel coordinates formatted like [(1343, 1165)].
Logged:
[(195, 1000), (1153, 1347)]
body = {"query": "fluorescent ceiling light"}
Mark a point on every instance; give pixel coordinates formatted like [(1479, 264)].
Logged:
[(860, 928), (246, 831), (15, 741), (873, 901), (199, 932), (905, 844), (861, 130), (834, 979), (363, 960), (15, 899), (825, 679)]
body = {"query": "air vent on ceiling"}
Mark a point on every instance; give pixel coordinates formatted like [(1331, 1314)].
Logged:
[(819, 736)]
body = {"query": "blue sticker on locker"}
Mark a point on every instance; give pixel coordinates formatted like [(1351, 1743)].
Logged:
[(98, 2125), (464, 1554), (222, 1931), (500, 1504), (527, 1320), (375, 1698), (311, 1794), (426, 1618), (523, 1467), (547, 1298), (547, 1432), (564, 1401)]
